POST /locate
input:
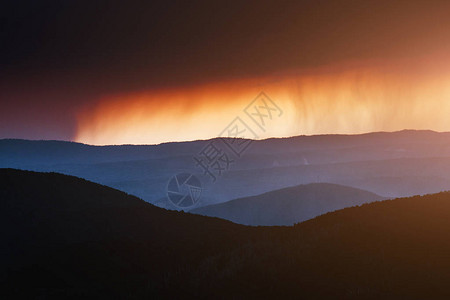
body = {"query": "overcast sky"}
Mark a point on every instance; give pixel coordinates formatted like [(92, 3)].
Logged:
[(58, 56)]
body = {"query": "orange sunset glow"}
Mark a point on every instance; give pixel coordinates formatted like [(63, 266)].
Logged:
[(354, 98)]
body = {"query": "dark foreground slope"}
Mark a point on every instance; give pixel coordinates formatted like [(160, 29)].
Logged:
[(64, 237), (290, 205)]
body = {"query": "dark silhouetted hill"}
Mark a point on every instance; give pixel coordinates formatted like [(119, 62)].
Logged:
[(288, 206), (64, 237)]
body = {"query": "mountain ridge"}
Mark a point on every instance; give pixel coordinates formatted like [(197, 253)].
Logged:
[(403, 131), (52, 248), (288, 206), (144, 171)]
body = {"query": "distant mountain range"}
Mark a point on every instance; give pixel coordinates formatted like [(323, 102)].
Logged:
[(289, 205), (391, 165), (64, 237)]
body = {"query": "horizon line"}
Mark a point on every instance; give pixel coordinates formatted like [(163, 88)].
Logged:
[(213, 138)]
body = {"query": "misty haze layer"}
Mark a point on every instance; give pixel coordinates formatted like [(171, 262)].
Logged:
[(390, 165)]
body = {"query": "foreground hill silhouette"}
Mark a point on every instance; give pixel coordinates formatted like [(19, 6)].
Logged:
[(288, 206), (63, 237)]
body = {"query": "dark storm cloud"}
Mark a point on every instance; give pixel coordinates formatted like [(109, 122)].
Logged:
[(161, 42), (80, 49)]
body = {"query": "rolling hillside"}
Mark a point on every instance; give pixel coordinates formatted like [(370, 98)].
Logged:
[(288, 206), (72, 237), (64, 237)]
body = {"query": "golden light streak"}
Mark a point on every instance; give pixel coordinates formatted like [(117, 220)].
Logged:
[(351, 99)]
